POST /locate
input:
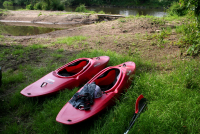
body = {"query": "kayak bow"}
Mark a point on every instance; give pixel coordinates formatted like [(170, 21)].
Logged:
[(71, 75)]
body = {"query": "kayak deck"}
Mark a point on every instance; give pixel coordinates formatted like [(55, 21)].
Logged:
[(112, 81)]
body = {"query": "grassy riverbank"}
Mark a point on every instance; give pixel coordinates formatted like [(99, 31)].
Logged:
[(166, 75), (173, 97)]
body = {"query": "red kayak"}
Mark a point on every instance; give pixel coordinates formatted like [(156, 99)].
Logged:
[(71, 75), (112, 81)]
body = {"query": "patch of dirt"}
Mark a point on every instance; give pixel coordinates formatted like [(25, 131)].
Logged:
[(124, 36)]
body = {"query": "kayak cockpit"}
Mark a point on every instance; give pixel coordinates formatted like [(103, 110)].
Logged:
[(73, 68), (108, 79)]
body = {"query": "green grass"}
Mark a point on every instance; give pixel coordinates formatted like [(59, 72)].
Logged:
[(70, 40), (173, 98)]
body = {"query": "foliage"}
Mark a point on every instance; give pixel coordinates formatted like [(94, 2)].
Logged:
[(194, 49), (147, 3), (41, 6), (44, 6), (101, 12), (38, 6), (190, 31), (3, 12), (7, 3), (49, 5), (192, 5), (29, 7), (56, 5), (190, 37), (177, 9), (67, 2), (154, 3), (81, 8)]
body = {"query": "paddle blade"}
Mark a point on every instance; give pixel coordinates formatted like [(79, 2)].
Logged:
[(139, 103)]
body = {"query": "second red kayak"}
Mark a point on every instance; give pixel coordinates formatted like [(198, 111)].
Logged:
[(71, 75), (112, 81)]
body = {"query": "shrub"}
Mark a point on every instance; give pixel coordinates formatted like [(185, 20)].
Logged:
[(61, 7), (190, 38), (29, 7), (194, 50), (177, 9), (56, 5), (44, 6), (37, 6), (7, 3), (81, 8)]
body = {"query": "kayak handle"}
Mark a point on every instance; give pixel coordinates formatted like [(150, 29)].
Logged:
[(44, 84), (98, 58), (124, 65)]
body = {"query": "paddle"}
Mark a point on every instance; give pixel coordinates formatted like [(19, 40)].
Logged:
[(139, 106)]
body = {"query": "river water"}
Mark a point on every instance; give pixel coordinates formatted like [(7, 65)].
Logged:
[(115, 10), (125, 11)]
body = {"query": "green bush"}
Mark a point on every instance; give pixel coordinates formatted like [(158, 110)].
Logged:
[(53, 5), (29, 7), (37, 6), (44, 6), (56, 5), (177, 9), (7, 3), (81, 8)]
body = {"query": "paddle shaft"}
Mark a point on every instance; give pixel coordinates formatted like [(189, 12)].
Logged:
[(134, 119)]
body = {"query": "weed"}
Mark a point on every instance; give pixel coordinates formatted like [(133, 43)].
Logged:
[(194, 49), (157, 21), (115, 42), (133, 44), (39, 14), (4, 12), (122, 20), (138, 35), (190, 38)]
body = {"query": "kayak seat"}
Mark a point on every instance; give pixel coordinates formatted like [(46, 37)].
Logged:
[(64, 72), (73, 68), (108, 79)]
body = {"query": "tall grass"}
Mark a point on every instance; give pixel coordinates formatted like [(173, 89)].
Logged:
[(173, 98)]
